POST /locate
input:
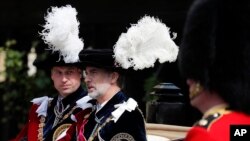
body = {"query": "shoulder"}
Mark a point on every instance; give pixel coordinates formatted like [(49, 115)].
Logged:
[(126, 110), (216, 125), (41, 100), (219, 119), (135, 114), (40, 105), (208, 120), (133, 121)]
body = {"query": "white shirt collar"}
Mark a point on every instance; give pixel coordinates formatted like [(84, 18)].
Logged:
[(99, 106)]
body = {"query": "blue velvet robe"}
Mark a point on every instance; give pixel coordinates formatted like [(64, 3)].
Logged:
[(130, 126)]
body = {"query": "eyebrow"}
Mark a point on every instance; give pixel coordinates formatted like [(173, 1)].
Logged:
[(66, 69)]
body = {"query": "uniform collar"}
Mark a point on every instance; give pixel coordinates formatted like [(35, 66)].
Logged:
[(99, 106), (221, 108)]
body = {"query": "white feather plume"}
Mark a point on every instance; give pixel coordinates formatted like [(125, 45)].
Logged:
[(61, 33), (144, 43)]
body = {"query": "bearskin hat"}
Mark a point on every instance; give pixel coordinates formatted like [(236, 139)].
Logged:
[(215, 49)]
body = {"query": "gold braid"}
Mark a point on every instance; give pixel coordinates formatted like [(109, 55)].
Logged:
[(93, 136), (42, 123)]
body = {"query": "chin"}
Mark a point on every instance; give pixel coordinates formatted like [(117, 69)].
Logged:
[(93, 94), (66, 93)]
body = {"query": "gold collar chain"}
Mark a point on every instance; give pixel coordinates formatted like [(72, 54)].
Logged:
[(42, 123), (98, 128)]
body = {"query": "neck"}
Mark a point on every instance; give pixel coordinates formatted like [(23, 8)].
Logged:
[(108, 95), (215, 109), (212, 101)]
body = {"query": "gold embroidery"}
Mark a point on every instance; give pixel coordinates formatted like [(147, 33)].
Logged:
[(42, 123), (60, 130), (40, 128), (122, 137)]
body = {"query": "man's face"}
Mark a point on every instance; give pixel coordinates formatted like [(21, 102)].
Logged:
[(67, 79), (98, 81)]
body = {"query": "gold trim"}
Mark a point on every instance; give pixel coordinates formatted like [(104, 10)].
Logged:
[(96, 130), (122, 137), (60, 130), (216, 109), (40, 128), (42, 123)]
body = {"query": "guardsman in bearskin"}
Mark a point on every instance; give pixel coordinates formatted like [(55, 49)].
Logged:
[(49, 118), (215, 60), (116, 116)]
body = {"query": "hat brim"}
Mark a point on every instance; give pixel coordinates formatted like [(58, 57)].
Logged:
[(51, 60)]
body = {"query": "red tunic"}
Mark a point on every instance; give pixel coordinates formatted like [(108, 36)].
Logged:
[(31, 128), (216, 126), (31, 131)]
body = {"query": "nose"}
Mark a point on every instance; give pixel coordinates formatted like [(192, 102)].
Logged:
[(64, 78), (86, 79)]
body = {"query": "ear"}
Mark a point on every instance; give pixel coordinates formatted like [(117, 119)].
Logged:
[(114, 77)]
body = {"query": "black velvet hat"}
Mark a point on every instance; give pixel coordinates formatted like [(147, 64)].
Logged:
[(215, 49), (53, 59), (101, 58), (62, 38)]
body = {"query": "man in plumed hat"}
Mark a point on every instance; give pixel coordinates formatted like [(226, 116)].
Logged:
[(116, 116), (214, 59), (49, 117)]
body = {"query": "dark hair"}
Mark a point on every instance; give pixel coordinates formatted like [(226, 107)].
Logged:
[(121, 78), (121, 81)]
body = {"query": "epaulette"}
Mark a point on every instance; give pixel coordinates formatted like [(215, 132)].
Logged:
[(208, 121)]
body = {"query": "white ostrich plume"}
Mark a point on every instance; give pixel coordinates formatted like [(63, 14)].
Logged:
[(144, 43), (61, 33)]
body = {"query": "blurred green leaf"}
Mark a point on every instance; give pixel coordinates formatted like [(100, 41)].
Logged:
[(19, 89), (149, 84)]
